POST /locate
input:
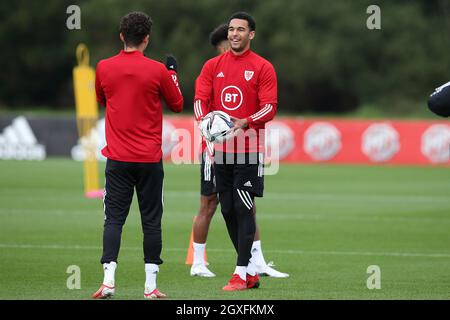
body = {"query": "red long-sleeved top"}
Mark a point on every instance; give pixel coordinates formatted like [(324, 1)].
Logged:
[(130, 86), (243, 86)]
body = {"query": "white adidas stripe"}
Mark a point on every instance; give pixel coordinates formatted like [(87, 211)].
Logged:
[(195, 109), (198, 109), (244, 200), (269, 109), (247, 195), (104, 205), (210, 147), (264, 114), (207, 170), (260, 164), (162, 194), (260, 111)]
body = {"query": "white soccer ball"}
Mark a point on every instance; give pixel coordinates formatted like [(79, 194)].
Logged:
[(216, 127)]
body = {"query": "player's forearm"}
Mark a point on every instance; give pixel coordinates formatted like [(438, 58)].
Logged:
[(200, 108), (264, 115), (174, 99), (176, 106)]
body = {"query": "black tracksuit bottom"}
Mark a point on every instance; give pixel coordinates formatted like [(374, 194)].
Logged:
[(121, 180), (239, 179)]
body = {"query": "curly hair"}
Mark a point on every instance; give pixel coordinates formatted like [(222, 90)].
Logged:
[(219, 34), (135, 26)]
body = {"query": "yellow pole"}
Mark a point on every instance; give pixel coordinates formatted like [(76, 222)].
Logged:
[(87, 116)]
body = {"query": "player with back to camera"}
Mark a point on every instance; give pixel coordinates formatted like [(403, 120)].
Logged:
[(208, 196), (244, 85), (130, 86)]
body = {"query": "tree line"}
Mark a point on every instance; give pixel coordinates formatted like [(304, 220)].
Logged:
[(326, 58)]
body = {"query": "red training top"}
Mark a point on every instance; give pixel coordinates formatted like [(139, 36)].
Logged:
[(243, 86), (130, 86)]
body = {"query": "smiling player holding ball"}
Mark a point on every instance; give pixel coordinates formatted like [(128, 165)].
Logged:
[(243, 85)]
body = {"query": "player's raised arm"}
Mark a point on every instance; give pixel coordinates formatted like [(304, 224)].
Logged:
[(170, 87), (267, 96), (203, 91)]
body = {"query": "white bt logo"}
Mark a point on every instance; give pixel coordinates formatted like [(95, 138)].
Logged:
[(231, 98)]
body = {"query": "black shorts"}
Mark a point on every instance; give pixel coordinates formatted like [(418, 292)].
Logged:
[(208, 179), (240, 171)]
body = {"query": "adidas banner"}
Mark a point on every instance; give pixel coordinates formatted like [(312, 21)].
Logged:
[(24, 138), (296, 140)]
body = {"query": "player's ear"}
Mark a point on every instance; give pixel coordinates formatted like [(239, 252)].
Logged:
[(252, 35), (147, 39), (121, 37)]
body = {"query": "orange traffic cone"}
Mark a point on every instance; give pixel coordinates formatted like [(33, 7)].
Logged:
[(190, 252)]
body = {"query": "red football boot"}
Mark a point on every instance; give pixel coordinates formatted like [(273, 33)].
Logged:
[(105, 292), (155, 294), (252, 281), (235, 283)]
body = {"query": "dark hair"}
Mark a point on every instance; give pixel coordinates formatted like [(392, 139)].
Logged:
[(135, 26), (219, 34), (244, 16)]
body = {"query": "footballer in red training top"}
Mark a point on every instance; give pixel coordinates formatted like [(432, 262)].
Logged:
[(134, 113), (243, 85), (131, 86)]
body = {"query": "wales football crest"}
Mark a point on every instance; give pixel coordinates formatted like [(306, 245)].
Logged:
[(248, 75)]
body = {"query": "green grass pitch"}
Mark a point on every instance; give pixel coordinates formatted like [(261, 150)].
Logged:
[(322, 224)]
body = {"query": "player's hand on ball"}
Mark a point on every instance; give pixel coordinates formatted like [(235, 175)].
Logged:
[(216, 127), (239, 123), (171, 63)]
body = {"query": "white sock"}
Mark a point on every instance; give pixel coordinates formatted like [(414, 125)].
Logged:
[(251, 268), (199, 253), (257, 255), (150, 276), (242, 272), (109, 270)]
